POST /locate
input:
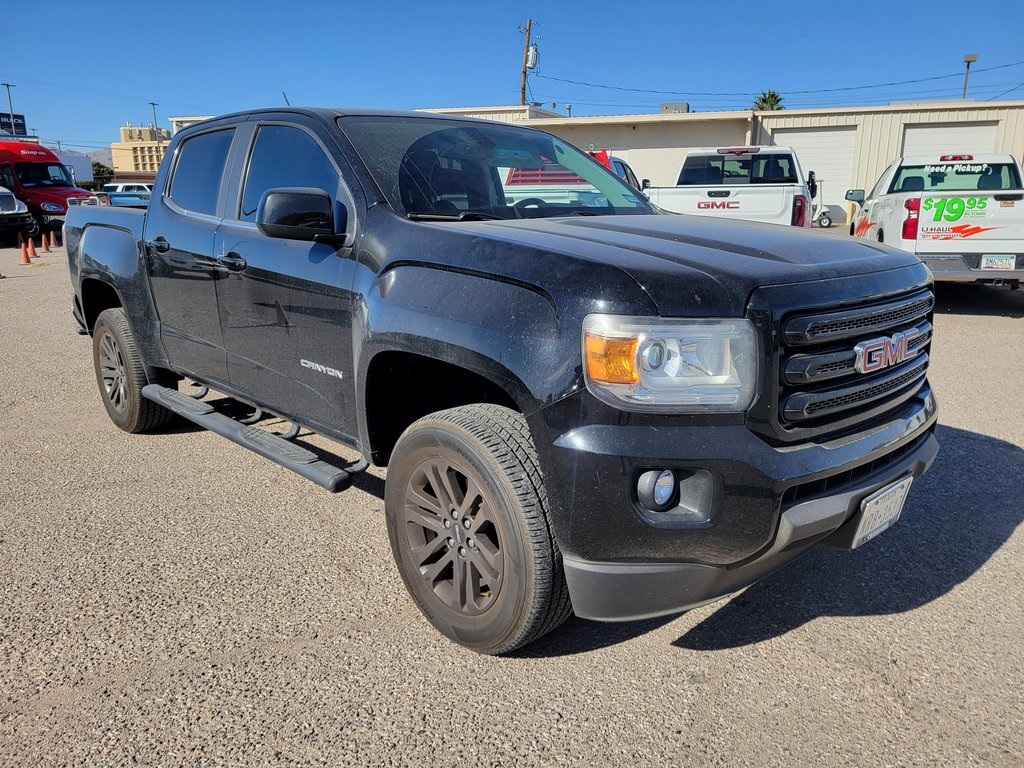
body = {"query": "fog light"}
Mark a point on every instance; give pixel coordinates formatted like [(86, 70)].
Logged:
[(656, 489)]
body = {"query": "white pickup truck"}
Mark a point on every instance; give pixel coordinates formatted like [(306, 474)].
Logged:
[(753, 183), (962, 215)]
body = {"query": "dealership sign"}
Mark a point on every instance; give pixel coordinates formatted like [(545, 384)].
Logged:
[(19, 124)]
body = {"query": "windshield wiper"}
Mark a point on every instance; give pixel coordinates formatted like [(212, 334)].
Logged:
[(464, 216)]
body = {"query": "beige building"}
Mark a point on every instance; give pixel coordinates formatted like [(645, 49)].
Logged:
[(846, 147), (140, 150)]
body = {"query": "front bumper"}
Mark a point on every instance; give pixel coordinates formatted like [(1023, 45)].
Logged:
[(770, 504), (15, 222), (52, 221), (964, 269)]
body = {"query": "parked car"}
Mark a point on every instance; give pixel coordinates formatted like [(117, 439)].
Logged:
[(753, 183), (963, 215), (616, 165), (589, 408), (37, 177), (133, 186), (15, 217)]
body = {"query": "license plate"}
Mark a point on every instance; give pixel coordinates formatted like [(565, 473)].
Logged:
[(991, 261), (880, 510)]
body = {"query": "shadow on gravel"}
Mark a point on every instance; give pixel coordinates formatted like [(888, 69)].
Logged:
[(966, 299), (581, 636), (957, 516)]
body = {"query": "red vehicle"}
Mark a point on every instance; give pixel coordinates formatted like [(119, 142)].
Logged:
[(37, 177)]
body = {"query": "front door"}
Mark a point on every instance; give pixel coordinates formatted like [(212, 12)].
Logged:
[(180, 229), (286, 310)]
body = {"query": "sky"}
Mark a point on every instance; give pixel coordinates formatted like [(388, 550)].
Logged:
[(84, 69)]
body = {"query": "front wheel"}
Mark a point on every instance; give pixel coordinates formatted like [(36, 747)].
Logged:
[(121, 375), (467, 520), (825, 221)]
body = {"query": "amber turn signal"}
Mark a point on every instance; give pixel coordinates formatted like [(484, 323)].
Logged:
[(612, 361)]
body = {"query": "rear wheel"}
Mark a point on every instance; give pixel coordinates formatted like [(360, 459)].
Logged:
[(825, 221), (121, 375), (467, 520)]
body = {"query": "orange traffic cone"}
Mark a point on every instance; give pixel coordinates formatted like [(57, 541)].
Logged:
[(53, 239), (45, 244), (32, 248), (24, 251)]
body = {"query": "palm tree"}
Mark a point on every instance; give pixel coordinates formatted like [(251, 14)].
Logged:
[(768, 100)]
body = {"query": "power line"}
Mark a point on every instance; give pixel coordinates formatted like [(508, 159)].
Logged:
[(791, 93), (1011, 90)]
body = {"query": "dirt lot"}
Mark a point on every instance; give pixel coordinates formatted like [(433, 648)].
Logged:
[(175, 600)]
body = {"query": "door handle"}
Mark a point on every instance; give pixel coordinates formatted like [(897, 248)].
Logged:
[(232, 261), (158, 245)]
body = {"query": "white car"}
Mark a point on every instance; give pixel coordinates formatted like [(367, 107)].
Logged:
[(128, 186), (753, 183), (961, 214)]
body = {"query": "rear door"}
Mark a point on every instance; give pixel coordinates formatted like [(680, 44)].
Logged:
[(179, 245), (287, 313)]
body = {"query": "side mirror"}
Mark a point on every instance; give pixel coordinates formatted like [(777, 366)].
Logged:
[(645, 184), (855, 195), (812, 184), (298, 213)]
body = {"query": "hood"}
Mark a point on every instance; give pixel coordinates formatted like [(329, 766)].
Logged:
[(691, 265), (36, 196)]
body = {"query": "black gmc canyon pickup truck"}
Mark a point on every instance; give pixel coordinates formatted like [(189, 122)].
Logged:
[(585, 404)]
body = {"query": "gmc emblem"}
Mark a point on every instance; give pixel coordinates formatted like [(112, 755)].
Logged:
[(705, 204), (877, 354)]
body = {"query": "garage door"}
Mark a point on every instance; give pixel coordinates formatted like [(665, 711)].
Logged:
[(829, 153), (949, 138)]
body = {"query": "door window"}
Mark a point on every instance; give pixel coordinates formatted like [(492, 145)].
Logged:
[(285, 156), (200, 171)]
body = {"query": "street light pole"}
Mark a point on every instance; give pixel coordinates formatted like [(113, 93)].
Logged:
[(10, 105), (969, 59), (155, 126)]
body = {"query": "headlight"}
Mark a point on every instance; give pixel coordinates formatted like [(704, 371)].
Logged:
[(651, 364), (51, 207), (20, 207)]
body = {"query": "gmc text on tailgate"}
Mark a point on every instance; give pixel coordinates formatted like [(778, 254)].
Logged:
[(584, 405)]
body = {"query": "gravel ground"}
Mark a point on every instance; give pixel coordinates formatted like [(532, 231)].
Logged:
[(175, 600)]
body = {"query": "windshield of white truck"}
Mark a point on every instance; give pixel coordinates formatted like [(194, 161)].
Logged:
[(712, 170), (442, 169), (43, 175), (948, 177)]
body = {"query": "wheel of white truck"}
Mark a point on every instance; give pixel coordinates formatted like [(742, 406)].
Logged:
[(121, 375), (825, 221), (466, 517)]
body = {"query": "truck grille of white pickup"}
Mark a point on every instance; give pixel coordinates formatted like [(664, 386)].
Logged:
[(7, 203), (819, 383)]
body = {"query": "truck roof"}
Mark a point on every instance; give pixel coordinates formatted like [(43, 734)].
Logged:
[(747, 149), (15, 151), (955, 157), (330, 113)]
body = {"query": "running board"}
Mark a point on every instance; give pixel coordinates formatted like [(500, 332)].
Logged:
[(266, 444)]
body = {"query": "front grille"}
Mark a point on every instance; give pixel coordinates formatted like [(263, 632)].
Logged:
[(7, 203), (819, 384)]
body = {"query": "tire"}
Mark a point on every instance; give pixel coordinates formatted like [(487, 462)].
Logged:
[(825, 221), (34, 228), (120, 375), (467, 519), (881, 236)]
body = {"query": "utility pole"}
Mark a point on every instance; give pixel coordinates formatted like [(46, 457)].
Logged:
[(154, 105), (10, 105), (969, 58), (526, 52)]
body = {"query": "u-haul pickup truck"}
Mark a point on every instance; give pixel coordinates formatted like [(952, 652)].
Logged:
[(752, 183), (962, 215)]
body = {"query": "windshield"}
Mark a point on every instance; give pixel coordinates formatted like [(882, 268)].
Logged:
[(430, 168), (711, 170), (43, 175), (966, 176)]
